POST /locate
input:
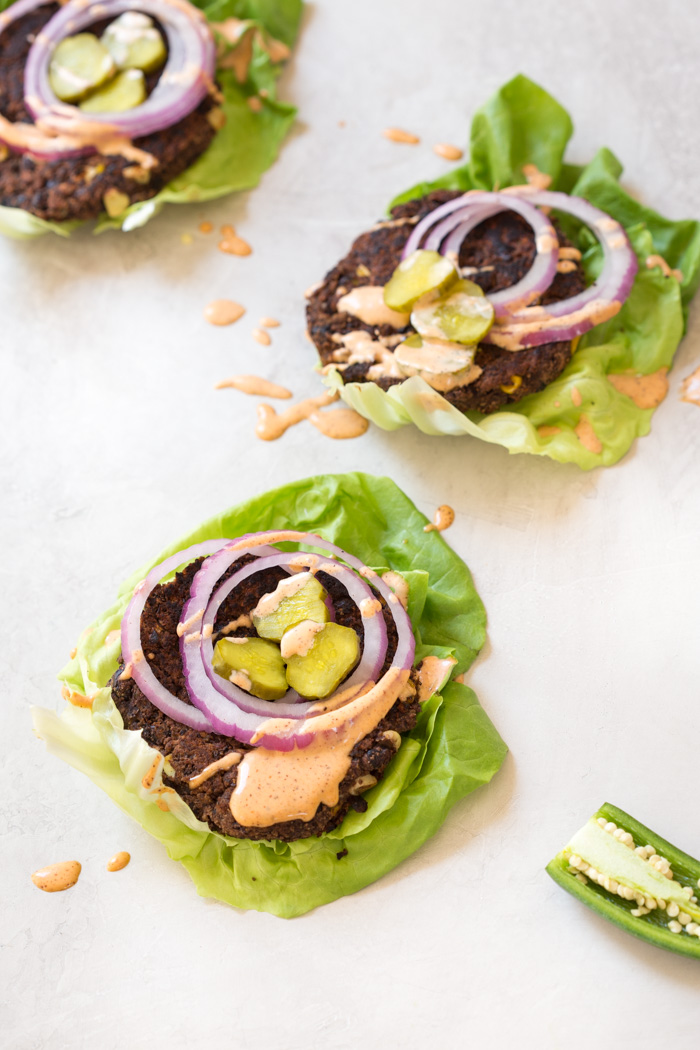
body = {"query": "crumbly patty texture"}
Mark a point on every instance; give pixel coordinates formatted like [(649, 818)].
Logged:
[(501, 248), (190, 751), (74, 188)]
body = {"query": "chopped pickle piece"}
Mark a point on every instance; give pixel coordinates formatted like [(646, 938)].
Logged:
[(331, 656), (296, 598), (630, 875), (416, 354), (463, 314), (126, 91), (423, 271), (261, 661), (134, 42), (79, 64)]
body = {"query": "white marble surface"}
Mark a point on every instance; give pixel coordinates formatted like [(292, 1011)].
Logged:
[(115, 443)]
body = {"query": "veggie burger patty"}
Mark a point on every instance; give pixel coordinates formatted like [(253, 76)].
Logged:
[(498, 252), (74, 187), (188, 751)]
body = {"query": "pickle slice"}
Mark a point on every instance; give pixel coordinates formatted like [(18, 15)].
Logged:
[(126, 91), (423, 271), (259, 660), (296, 598), (79, 64), (630, 875), (134, 42), (437, 356), (332, 655), (462, 315)]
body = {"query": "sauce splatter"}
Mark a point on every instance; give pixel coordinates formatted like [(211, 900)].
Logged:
[(367, 304), (254, 385), (221, 764), (232, 244), (587, 436), (261, 336), (576, 398), (340, 424), (57, 877), (447, 152), (272, 425), (658, 260), (223, 312), (690, 391), (76, 699), (537, 178), (269, 322), (545, 432), (646, 391), (206, 227), (431, 675), (399, 135), (113, 636), (444, 516), (118, 861)]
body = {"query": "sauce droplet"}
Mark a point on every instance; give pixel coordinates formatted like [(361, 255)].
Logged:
[(206, 227), (658, 260), (269, 322), (272, 425), (587, 436), (254, 385), (340, 423), (261, 336), (57, 877), (647, 391), (399, 135), (444, 516), (118, 861), (447, 152), (223, 312), (232, 244)]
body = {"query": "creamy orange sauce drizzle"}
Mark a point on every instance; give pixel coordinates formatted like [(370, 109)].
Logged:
[(367, 304), (690, 391), (113, 636), (431, 674), (241, 621), (443, 366), (57, 877), (447, 152), (232, 244), (647, 391), (399, 135), (149, 777), (576, 398), (569, 253), (223, 312), (76, 699), (533, 319), (276, 786), (398, 585), (539, 179), (271, 424), (566, 266), (369, 607), (118, 861), (74, 651), (286, 588), (658, 260), (298, 640), (261, 336), (206, 227), (226, 762), (587, 436), (444, 516), (545, 431), (340, 424), (254, 385), (269, 322)]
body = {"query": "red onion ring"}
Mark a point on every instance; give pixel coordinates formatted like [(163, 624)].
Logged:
[(248, 724), (568, 318), (184, 82), (473, 208), (132, 652)]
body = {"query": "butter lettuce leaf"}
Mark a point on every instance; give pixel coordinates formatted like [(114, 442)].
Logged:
[(240, 152), (453, 749), (522, 124)]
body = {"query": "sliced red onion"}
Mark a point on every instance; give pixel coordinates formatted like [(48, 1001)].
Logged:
[(477, 206), (132, 651), (182, 85), (247, 723), (568, 318)]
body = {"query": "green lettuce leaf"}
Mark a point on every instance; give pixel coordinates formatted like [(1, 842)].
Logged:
[(239, 154), (522, 124), (453, 749)]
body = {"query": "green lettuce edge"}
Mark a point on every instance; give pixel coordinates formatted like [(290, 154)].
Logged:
[(453, 749), (240, 152), (523, 124)]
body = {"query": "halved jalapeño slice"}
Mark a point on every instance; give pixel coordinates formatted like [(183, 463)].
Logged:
[(423, 271), (630, 875), (463, 314)]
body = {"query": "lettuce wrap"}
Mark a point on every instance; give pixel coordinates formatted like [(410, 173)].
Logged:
[(453, 749), (522, 124), (240, 152)]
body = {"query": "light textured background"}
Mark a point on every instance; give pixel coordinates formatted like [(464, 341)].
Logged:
[(115, 443)]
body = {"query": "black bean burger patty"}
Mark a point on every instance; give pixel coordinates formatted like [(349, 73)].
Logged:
[(189, 751), (503, 250), (74, 188)]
